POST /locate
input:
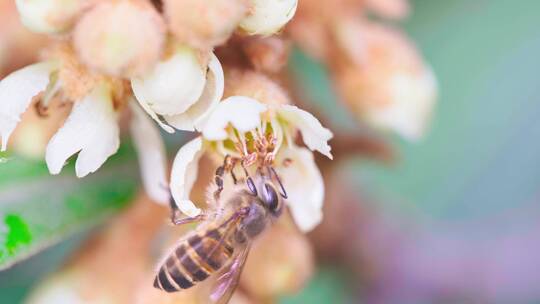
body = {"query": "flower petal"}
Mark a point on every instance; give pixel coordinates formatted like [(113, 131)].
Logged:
[(304, 185), (151, 154), (151, 112), (315, 136), (195, 116), (268, 16), (242, 112), (173, 85), (91, 128), (16, 92), (184, 174), (48, 16)]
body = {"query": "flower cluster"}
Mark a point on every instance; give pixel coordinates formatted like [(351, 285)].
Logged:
[(108, 55), (376, 70), (214, 68)]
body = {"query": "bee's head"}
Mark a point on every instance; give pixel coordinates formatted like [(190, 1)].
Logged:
[(271, 199), (264, 189)]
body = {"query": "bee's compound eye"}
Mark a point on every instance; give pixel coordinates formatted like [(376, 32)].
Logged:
[(270, 197)]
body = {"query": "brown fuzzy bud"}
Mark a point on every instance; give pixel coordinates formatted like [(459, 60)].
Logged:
[(394, 9), (93, 275), (32, 135), (267, 54), (123, 38), (280, 262), (254, 85), (381, 76), (204, 24)]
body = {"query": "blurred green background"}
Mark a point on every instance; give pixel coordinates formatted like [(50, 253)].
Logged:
[(476, 172)]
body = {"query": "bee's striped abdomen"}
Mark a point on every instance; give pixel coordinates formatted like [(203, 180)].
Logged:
[(194, 260)]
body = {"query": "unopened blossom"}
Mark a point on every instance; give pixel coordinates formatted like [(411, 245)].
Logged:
[(280, 263), (267, 17), (121, 38), (236, 127), (181, 89), (204, 24), (49, 16), (395, 9), (383, 79), (267, 54), (92, 275)]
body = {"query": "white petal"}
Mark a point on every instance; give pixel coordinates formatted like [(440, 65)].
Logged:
[(413, 98), (242, 112), (195, 116), (151, 154), (304, 185), (151, 112), (173, 85), (16, 92), (315, 136), (268, 16), (48, 16), (184, 174), (91, 128)]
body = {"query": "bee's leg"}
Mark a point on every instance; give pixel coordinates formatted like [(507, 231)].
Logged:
[(176, 215), (272, 172), (231, 171), (187, 220), (249, 181), (227, 166)]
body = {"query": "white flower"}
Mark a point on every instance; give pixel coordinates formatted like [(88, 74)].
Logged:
[(17, 91), (268, 16), (260, 135), (180, 90), (91, 130), (48, 16), (151, 152)]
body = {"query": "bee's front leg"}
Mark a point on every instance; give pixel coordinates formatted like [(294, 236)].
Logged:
[(176, 215), (181, 221)]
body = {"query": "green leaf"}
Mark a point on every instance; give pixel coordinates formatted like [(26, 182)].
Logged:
[(38, 209)]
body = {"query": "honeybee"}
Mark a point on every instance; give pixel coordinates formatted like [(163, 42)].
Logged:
[(219, 246)]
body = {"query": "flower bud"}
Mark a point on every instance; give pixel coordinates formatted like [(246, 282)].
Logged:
[(267, 17), (384, 80), (255, 85), (123, 38), (268, 54), (174, 84), (395, 9), (93, 276), (49, 16), (204, 24), (280, 262), (34, 132)]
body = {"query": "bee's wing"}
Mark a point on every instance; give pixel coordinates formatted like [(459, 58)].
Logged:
[(227, 282)]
